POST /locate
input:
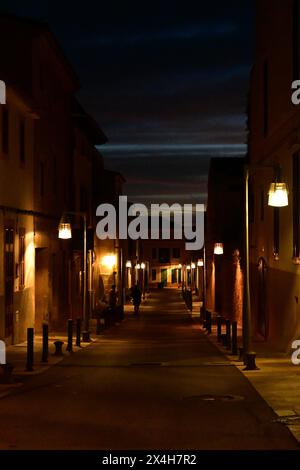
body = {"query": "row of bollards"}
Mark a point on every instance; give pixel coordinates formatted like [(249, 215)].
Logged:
[(45, 343), (229, 340)]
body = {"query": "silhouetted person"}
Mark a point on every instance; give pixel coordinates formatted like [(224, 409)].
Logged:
[(112, 298), (136, 295)]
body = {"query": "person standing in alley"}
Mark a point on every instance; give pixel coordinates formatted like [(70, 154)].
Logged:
[(112, 298), (136, 295)]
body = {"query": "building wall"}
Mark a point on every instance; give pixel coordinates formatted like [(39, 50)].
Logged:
[(16, 197), (273, 139)]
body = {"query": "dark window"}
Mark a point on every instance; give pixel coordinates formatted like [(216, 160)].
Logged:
[(83, 199), (262, 205), (153, 253), (164, 255), (22, 141), (174, 276), (276, 231), (176, 253), (42, 179), (296, 205), (5, 130), (251, 202), (21, 258), (54, 175), (153, 274), (266, 98), (295, 38)]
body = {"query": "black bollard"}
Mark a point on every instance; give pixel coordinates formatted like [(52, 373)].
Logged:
[(208, 322), (250, 361), (234, 347), (30, 351), (241, 354), (223, 339), (228, 335), (70, 336), (78, 332), (45, 342), (219, 328), (58, 348)]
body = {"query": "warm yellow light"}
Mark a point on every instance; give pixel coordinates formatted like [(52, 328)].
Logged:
[(143, 266), (193, 266), (138, 266), (179, 266), (64, 228), (109, 261), (278, 195), (200, 262), (188, 267), (218, 249), (128, 264)]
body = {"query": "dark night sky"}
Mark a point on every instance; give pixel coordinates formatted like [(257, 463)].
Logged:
[(167, 81)]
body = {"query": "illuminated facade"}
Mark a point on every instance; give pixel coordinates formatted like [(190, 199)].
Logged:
[(274, 142)]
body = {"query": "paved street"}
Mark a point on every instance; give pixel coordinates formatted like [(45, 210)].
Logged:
[(153, 382)]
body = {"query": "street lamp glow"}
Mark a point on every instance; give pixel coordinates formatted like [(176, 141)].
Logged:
[(188, 267), (200, 262), (179, 266), (143, 266), (64, 228), (138, 266), (109, 261), (128, 264), (278, 195), (193, 266), (218, 249)]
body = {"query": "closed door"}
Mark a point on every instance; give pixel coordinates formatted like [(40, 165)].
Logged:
[(261, 299), (164, 276), (9, 279)]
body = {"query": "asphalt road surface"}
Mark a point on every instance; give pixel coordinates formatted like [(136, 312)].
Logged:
[(153, 382)]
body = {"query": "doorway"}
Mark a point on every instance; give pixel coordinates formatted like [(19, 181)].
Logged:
[(261, 299), (9, 236), (41, 287), (164, 276)]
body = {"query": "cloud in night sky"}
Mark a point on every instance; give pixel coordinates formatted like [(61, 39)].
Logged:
[(168, 78)]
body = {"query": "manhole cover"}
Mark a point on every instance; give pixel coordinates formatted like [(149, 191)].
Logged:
[(223, 398)]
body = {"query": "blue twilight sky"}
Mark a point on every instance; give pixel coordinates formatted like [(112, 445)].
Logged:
[(166, 80)]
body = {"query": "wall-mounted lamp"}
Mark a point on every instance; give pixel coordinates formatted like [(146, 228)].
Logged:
[(218, 249)]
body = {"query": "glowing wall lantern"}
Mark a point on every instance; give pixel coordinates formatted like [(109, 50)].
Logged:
[(200, 263), (218, 249), (64, 228), (109, 261), (278, 195), (128, 264)]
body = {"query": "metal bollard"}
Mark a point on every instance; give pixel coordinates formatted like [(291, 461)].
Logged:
[(241, 354), (234, 347), (58, 348), (78, 332), (70, 336), (208, 322), (228, 335), (45, 342), (250, 361), (219, 328), (98, 326), (30, 350)]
